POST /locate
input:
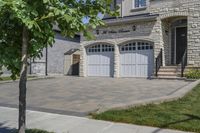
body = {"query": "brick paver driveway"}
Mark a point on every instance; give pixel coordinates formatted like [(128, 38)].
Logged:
[(78, 96)]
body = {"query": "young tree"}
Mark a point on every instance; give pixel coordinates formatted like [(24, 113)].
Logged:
[(26, 27)]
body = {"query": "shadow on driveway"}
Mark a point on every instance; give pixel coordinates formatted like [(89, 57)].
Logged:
[(4, 129), (190, 117)]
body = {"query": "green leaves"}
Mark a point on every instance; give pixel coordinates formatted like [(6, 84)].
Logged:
[(39, 16), (45, 1)]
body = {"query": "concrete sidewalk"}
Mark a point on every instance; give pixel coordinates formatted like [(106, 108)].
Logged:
[(69, 124)]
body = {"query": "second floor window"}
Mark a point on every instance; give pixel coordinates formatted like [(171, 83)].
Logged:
[(139, 3)]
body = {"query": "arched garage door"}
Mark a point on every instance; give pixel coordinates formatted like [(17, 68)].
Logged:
[(100, 60), (136, 59)]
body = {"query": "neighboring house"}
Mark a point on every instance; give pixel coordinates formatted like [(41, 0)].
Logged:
[(54, 60), (148, 34)]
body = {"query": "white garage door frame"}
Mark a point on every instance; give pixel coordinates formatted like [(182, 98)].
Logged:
[(100, 60), (136, 59)]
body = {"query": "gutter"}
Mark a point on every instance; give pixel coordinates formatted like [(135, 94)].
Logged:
[(127, 20)]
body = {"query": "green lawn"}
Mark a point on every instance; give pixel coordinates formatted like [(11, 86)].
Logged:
[(183, 114), (9, 78)]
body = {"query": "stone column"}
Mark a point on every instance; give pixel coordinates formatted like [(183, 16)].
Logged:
[(116, 61), (157, 35), (194, 37), (82, 66)]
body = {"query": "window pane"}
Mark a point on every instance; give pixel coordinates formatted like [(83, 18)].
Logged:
[(142, 3), (136, 3)]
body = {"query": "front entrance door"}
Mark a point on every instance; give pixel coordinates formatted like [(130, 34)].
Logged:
[(181, 43), (75, 66)]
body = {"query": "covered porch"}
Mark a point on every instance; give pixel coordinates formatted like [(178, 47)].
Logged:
[(172, 59), (175, 40)]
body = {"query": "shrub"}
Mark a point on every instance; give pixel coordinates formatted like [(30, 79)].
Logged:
[(193, 74), (36, 131)]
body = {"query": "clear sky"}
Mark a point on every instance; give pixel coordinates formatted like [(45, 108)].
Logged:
[(86, 20)]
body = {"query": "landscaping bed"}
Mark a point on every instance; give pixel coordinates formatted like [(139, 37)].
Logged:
[(182, 114), (36, 131)]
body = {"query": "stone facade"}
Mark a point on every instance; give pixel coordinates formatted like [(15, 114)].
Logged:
[(56, 58), (190, 9), (159, 31)]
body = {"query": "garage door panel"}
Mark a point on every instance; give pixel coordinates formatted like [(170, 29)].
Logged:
[(100, 61), (94, 59), (143, 57), (132, 71), (128, 58), (128, 70), (99, 67), (106, 59), (142, 71), (93, 70), (105, 70), (136, 61)]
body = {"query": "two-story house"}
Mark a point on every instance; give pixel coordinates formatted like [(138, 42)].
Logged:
[(148, 34)]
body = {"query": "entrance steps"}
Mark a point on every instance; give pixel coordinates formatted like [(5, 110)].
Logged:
[(169, 72)]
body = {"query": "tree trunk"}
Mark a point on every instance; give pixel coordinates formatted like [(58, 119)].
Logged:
[(22, 83)]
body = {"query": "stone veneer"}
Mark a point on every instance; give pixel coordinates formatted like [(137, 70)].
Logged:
[(153, 31), (189, 9)]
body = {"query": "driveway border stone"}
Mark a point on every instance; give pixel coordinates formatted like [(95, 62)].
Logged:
[(29, 79)]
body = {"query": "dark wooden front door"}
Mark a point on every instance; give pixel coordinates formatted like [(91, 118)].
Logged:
[(75, 65), (181, 43)]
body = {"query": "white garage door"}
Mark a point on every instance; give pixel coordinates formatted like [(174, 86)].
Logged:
[(100, 59), (136, 59)]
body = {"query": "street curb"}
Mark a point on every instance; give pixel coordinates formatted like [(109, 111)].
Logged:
[(174, 96), (30, 79)]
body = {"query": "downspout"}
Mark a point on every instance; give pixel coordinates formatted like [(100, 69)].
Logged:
[(122, 8), (30, 67)]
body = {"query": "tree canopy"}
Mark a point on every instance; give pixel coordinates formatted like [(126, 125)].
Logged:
[(39, 16)]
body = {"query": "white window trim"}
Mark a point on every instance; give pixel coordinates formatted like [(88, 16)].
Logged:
[(140, 7)]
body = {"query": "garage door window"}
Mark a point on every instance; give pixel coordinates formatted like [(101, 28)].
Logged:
[(139, 45), (144, 46), (100, 48), (95, 48), (129, 47), (107, 48)]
